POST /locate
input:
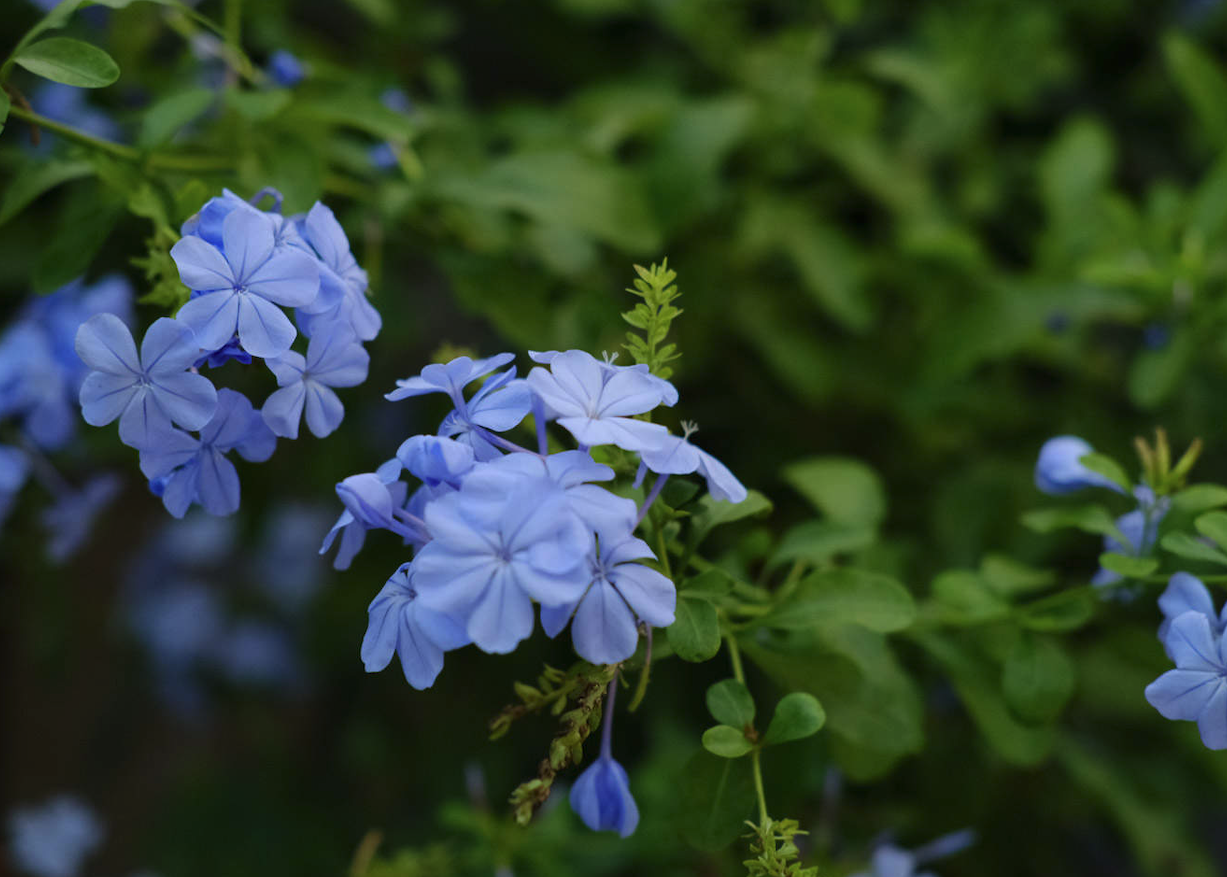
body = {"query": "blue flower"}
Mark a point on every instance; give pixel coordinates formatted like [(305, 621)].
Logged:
[(14, 469), (1187, 593), (353, 531), (1058, 470), (71, 518), (498, 543), (179, 622), (602, 797), (285, 69), (419, 635), (1197, 689), (342, 292), (198, 470), (257, 653), (373, 504), (236, 289), (677, 456), (500, 404), (1140, 528), (891, 861), (334, 359), (597, 404), (436, 460), (32, 386), (228, 351), (71, 106), (621, 594), (148, 392), (54, 839), (450, 378), (287, 570)]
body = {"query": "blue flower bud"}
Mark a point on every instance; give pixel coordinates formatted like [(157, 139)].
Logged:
[(1058, 470), (602, 798)]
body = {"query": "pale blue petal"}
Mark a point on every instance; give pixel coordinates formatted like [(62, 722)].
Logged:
[(324, 410), (248, 239), (721, 483), (104, 344), (202, 267), (188, 399), (143, 422), (287, 368), (1192, 645), (650, 594), (104, 396), (289, 277), (502, 618), (282, 410), (1212, 723), (264, 329), (214, 317), (604, 629), (1183, 694), (217, 483), (168, 347)]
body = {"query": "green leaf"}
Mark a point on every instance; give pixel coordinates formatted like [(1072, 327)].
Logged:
[(1108, 468), (964, 597), (726, 742), (1007, 576), (1198, 498), (695, 632), (36, 178), (163, 119), (847, 491), (1188, 546), (1067, 610), (712, 513), (5, 103), (709, 585), (1202, 82), (845, 596), (818, 541), (84, 224), (869, 701), (69, 61), (258, 105), (1037, 678), (1129, 567), (979, 690), (360, 111), (729, 701), (1088, 518), (797, 715), (1214, 526), (714, 798), (1155, 374)]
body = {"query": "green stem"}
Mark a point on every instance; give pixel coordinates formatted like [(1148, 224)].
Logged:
[(188, 163), (735, 659), (116, 150), (763, 819), (232, 24)]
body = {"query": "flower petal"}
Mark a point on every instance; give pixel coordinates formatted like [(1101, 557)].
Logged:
[(104, 344)]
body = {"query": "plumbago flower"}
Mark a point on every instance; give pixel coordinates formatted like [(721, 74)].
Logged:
[(41, 376), (242, 265), (1192, 636), (497, 527)]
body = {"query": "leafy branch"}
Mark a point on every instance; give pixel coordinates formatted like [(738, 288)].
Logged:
[(653, 316)]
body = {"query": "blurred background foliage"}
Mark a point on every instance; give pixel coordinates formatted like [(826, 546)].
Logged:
[(926, 236)]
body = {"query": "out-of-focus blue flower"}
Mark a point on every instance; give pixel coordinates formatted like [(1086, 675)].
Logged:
[(436, 460), (395, 99), (450, 378), (179, 622), (285, 69), (40, 372), (334, 359), (500, 404), (372, 504), (148, 392), (70, 106), (622, 593), (602, 797), (197, 470), (54, 839), (1197, 689), (1155, 336), (398, 622), (891, 861), (236, 289), (1140, 527), (597, 404), (14, 469), (254, 652), (286, 566), (353, 531), (342, 292), (383, 156), (1187, 593), (70, 520), (1058, 470), (498, 543), (677, 456)]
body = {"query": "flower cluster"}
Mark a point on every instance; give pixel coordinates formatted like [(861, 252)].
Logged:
[(496, 527), (243, 266), (40, 378), (1192, 635), (55, 838)]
